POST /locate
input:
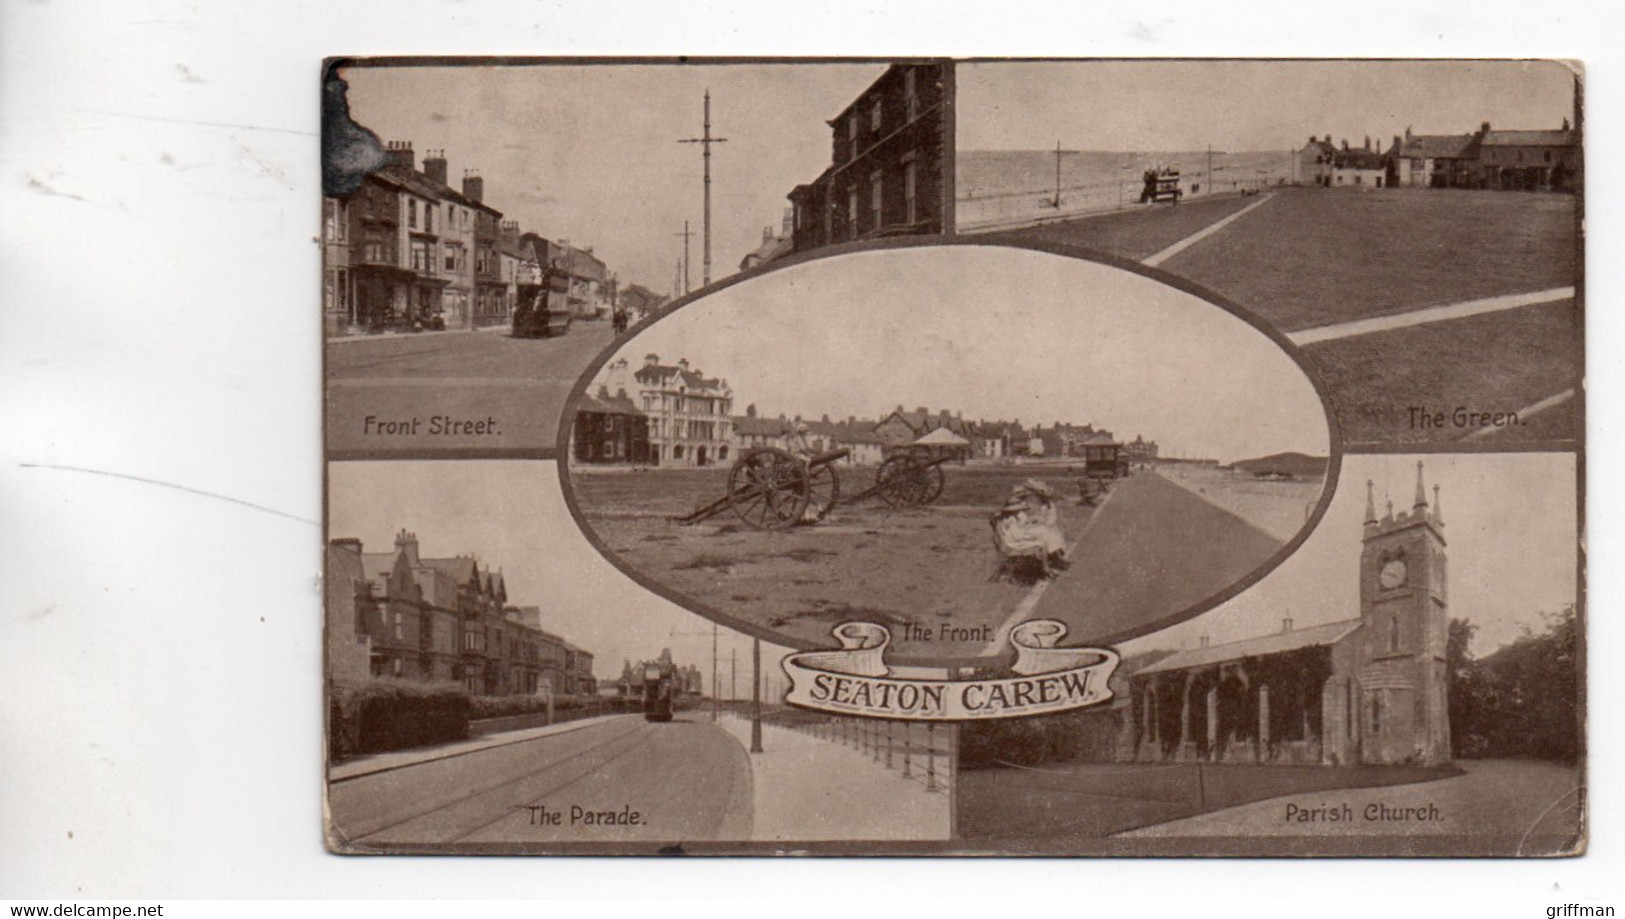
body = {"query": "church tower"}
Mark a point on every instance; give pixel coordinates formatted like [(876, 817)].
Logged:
[(1404, 711)]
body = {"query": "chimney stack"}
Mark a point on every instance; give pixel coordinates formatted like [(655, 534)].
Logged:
[(400, 155), (434, 165), (1204, 641), (407, 542), (1286, 624), (473, 187)]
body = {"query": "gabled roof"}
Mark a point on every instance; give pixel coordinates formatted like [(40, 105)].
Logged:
[(461, 570), (941, 437), (1278, 643), (1437, 146), (1358, 159), (660, 372), (605, 404), (1529, 139)]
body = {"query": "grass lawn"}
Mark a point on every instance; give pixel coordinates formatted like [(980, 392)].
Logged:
[(1316, 256), (1049, 806), (1497, 362), (1138, 233), (927, 567)]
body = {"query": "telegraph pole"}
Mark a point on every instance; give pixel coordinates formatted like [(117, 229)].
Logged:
[(685, 234), (733, 674), (1057, 175), (705, 141)]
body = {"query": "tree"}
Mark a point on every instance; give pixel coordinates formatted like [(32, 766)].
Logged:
[(1521, 701)]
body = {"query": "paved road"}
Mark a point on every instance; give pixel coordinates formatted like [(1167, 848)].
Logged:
[(1152, 550), (489, 391), (684, 781)]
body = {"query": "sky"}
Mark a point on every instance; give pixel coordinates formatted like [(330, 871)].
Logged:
[(1248, 105), (998, 334), (591, 153), (512, 515), (1511, 533)]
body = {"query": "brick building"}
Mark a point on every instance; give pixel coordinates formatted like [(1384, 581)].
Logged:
[(609, 428), (690, 414), (891, 168), (398, 614)]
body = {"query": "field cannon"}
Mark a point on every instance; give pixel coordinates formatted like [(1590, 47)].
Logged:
[(771, 489)]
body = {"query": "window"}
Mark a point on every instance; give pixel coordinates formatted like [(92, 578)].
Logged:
[(1393, 634), (421, 258), (852, 214), (911, 98), (852, 131), (428, 217), (911, 179), (876, 195), (874, 117), (451, 257), (337, 211), (328, 297), (1376, 712), (412, 213), (342, 275)]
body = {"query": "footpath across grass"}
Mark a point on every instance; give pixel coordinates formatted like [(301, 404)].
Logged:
[(1317, 256), (1139, 232)]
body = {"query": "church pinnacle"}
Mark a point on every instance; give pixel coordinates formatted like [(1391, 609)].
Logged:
[(1421, 491), (1370, 502)]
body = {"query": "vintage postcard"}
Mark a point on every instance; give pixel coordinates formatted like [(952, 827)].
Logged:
[(935, 457)]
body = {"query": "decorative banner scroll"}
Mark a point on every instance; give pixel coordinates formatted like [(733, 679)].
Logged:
[(856, 681)]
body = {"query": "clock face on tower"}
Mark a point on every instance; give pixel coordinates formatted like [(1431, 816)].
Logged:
[(1392, 574)]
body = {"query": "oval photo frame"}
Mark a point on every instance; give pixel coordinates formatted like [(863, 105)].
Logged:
[(887, 531)]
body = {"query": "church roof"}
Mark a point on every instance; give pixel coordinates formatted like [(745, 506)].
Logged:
[(1278, 643)]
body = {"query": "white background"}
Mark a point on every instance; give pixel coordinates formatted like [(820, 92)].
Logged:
[(159, 675)]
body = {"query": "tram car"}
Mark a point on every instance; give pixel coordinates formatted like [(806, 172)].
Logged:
[(659, 692), (1104, 461), (545, 311), (1161, 185)]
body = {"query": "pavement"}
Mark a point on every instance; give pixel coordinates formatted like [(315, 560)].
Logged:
[(1152, 550), (618, 780), (1492, 798), (371, 763), (444, 392), (808, 788)]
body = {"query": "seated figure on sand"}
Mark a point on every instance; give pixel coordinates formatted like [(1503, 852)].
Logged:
[(1029, 525)]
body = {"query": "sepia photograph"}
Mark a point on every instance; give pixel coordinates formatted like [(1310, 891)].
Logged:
[(495, 687), (489, 228), (947, 441), (1413, 225)]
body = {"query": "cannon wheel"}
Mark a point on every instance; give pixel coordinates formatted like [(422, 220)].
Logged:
[(904, 481), (824, 490), (770, 488)]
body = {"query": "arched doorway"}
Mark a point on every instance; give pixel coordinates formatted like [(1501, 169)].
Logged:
[(699, 456)]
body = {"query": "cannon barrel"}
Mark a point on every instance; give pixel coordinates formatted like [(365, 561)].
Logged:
[(824, 459)]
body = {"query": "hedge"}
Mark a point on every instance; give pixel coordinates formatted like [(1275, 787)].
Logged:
[(390, 714)]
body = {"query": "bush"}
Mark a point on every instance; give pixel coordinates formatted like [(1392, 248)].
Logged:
[(389, 714)]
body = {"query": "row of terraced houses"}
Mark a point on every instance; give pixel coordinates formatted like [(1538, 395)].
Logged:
[(1539, 160), (409, 251), (399, 614), (674, 415)]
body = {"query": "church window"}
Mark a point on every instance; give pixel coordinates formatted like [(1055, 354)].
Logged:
[(1393, 634), (1376, 712), (1348, 708)]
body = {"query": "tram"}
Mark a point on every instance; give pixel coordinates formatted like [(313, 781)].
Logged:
[(659, 692)]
